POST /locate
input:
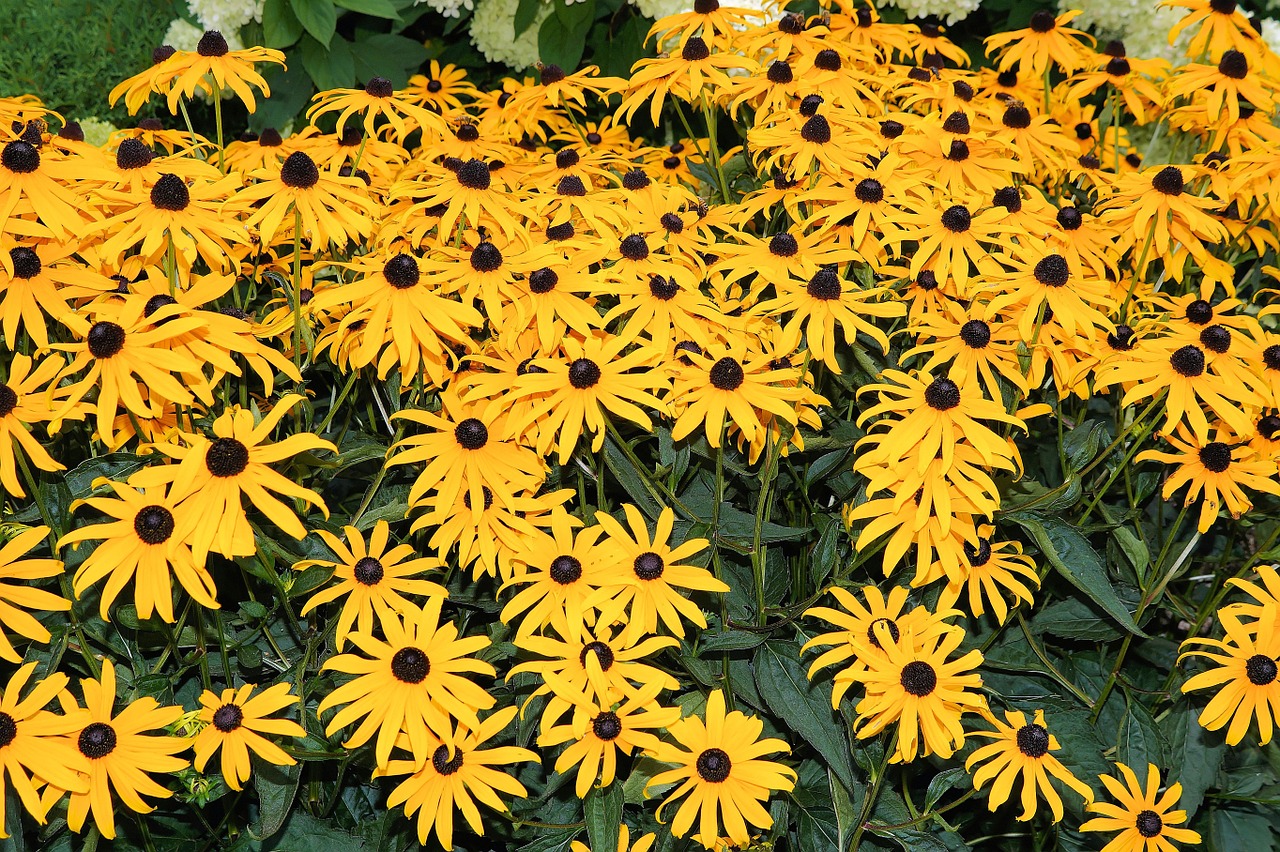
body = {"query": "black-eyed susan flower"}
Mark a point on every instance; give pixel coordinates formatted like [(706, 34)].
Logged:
[(39, 282), (1244, 673), (653, 573), (235, 722), (214, 475), (373, 577), (913, 683), (1046, 42), (27, 399), (34, 744), (561, 572), (330, 208), (456, 772), (148, 541), (723, 777), (1022, 752), (17, 597), (122, 751), (378, 99), (415, 682), (213, 67), (598, 733), (36, 199), (734, 383), (1144, 817)]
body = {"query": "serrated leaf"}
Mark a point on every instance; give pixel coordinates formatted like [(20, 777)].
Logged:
[(729, 640), (277, 786), (318, 17), (1139, 740), (806, 708), (1072, 556)]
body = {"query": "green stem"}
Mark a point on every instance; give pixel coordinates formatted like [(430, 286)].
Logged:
[(710, 118), (217, 119), (758, 547), (873, 792), (295, 294), (1137, 272), (337, 403)]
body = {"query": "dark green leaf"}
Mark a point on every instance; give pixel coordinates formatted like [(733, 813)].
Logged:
[(1073, 557), (1082, 443), (277, 786), (1196, 752), (559, 45), (557, 841), (603, 813), (819, 830), (280, 26), (332, 68), (739, 527), (945, 780), (318, 17), (576, 17), (1074, 619), (394, 57), (731, 640), (1139, 741), (526, 14), (1242, 828), (806, 708), (374, 8), (632, 480), (291, 88)]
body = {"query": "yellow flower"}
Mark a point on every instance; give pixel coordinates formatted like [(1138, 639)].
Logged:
[(235, 722)]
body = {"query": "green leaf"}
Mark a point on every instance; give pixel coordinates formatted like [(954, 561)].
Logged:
[(1082, 443), (632, 480), (277, 787), (560, 45), (1072, 556), (729, 640), (392, 56), (332, 68), (1139, 741), (819, 830), (1074, 619), (739, 527), (318, 17), (526, 14), (375, 8), (1196, 752), (806, 708), (280, 26), (603, 812), (945, 780), (575, 17), (291, 88), (626, 45), (1240, 828), (557, 841)]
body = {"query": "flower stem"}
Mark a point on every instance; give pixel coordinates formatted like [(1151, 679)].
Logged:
[(295, 294), (708, 115), (217, 119)]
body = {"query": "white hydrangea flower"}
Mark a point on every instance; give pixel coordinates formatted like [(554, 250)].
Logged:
[(949, 11), (96, 130), (184, 36), (658, 9), (226, 16), (1271, 34), (450, 8), (493, 32), (1140, 24)]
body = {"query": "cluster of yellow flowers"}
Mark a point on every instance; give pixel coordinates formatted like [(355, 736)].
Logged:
[(527, 282)]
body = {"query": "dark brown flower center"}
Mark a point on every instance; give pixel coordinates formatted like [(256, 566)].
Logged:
[(1148, 823), (727, 374), (1233, 65), (212, 43), (918, 678), (549, 75), (663, 288), (8, 729), (978, 555), (26, 263), (1069, 219), (956, 219), (226, 457), (543, 280), (942, 394), (367, 571), (571, 186), (379, 87), (170, 193), (634, 247), (443, 763), (1215, 456), (891, 129), (1216, 338), (474, 174), (976, 334), (1268, 426), (97, 740), (1199, 312), (816, 130), (779, 73), (105, 339), (1260, 669), (8, 400), (713, 765), (695, 50), (649, 565), (410, 665), (566, 569), (1009, 198), (584, 373), (133, 154), (471, 434), (402, 271), (889, 624), (1188, 361), (228, 717), (607, 726), (20, 157), (636, 179), (153, 524), (604, 654), (1052, 271), (1271, 357), (1042, 21), (270, 138), (1033, 740), (1118, 67), (1168, 181), (299, 171)]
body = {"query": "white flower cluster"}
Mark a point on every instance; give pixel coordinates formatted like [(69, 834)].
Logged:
[(493, 32), (96, 130), (451, 8), (226, 16), (1271, 34), (184, 36), (661, 8), (1140, 24), (949, 11)]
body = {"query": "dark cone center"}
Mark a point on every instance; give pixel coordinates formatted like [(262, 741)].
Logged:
[(367, 571), (825, 284), (695, 50), (1168, 181), (918, 678), (1148, 823), (976, 334), (816, 130), (607, 726), (299, 171), (1052, 271), (663, 288), (956, 219), (133, 154), (1188, 361), (602, 651), (105, 339), (890, 625), (1216, 338), (713, 765), (584, 373), (566, 569), (97, 740), (443, 763), (471, 434), (410, 665), (153, 524), (212, 43), (649, 566), (1260, 669), (942, 394), (1033, 740), (727, 374), (226, 457), (20, 157), (402, 271), (228, 717), (543, 280), (170, 193), (26, 263), (634, 247)]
